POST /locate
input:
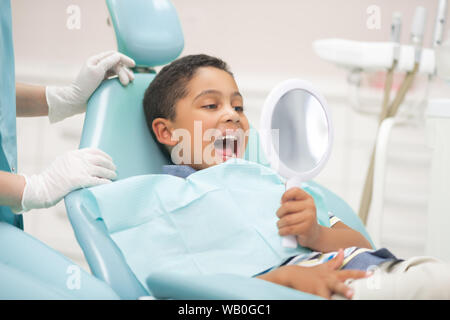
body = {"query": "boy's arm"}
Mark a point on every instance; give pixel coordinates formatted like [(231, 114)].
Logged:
[(339, 236), (323, 280), (298, 216)]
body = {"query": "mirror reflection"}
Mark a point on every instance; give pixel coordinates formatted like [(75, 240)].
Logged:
[(303, 130)]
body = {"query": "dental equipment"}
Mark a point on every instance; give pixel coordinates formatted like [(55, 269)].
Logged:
[(440, 23), (442, 49), (372, 56), (438, 130), (296, 134), (437, 116), (417, 32), (438, 218), (395, 39), (443, 60)]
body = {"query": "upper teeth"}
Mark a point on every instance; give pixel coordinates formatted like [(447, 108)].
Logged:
[(228, 137)]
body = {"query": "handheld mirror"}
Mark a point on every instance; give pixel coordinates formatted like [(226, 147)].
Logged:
[(296, 134)]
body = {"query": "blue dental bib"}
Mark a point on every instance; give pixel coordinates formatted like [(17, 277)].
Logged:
[(218, 220)]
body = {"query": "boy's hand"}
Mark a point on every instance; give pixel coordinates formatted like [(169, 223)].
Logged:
[(323, 280), (298, 217)]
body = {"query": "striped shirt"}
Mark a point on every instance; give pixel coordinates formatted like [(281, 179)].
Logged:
[(354, 257), (315, 258)]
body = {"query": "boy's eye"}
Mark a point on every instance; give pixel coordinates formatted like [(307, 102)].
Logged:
[(239, 108), (210, 106)]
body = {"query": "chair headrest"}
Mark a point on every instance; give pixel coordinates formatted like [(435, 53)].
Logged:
[(148, 31)]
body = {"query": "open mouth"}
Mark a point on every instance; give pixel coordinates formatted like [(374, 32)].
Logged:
[(227, 146)]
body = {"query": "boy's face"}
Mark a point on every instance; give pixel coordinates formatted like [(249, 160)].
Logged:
[(211, 120)]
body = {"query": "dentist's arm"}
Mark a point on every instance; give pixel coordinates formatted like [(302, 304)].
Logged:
[(75, 169), (30, 100), (60, 102), (11, 189)]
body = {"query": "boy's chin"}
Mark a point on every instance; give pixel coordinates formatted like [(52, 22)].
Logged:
[(216, 161)]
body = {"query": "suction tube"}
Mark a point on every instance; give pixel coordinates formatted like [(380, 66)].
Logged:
[(417, 32)]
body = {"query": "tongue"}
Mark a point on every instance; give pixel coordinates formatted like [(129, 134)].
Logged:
[(225, 148), (228, 151)]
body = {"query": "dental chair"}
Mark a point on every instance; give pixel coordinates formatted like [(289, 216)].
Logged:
[(115, 123), (150, 33)]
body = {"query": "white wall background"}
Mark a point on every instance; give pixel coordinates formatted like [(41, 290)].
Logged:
[(264, 42)]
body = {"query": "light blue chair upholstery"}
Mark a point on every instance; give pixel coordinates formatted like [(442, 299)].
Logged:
[(147, 30), (29, 269), (115, 123)]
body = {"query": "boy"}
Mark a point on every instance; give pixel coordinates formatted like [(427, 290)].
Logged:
[(197, 96)]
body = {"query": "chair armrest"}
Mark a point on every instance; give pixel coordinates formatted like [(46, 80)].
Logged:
[(103, 256), (219, 287)]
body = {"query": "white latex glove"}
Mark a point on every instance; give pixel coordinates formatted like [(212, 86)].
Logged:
[(75, 169), (66, 101)]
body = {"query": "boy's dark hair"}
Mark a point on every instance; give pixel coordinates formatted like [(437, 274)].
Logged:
[(170, 85)]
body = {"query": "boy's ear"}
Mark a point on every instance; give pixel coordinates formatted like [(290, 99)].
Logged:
[(162, 129)]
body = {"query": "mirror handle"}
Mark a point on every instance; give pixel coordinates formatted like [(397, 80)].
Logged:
[(291, 241), (295, 181)]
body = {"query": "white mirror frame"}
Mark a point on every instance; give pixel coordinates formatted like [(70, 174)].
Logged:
[(266, 122)]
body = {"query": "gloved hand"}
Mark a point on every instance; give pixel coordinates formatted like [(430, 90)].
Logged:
[(69, 100), (76, 169)]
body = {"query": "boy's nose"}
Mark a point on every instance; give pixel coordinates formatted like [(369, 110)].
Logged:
[(231, 115)]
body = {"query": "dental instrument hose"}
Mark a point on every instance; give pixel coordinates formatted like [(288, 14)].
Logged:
[(417, 31), (366, 198), (395, 38), (388, 112), (406, 85)]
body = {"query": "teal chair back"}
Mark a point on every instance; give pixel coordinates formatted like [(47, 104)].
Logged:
[(149, 32), (115, 122)]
